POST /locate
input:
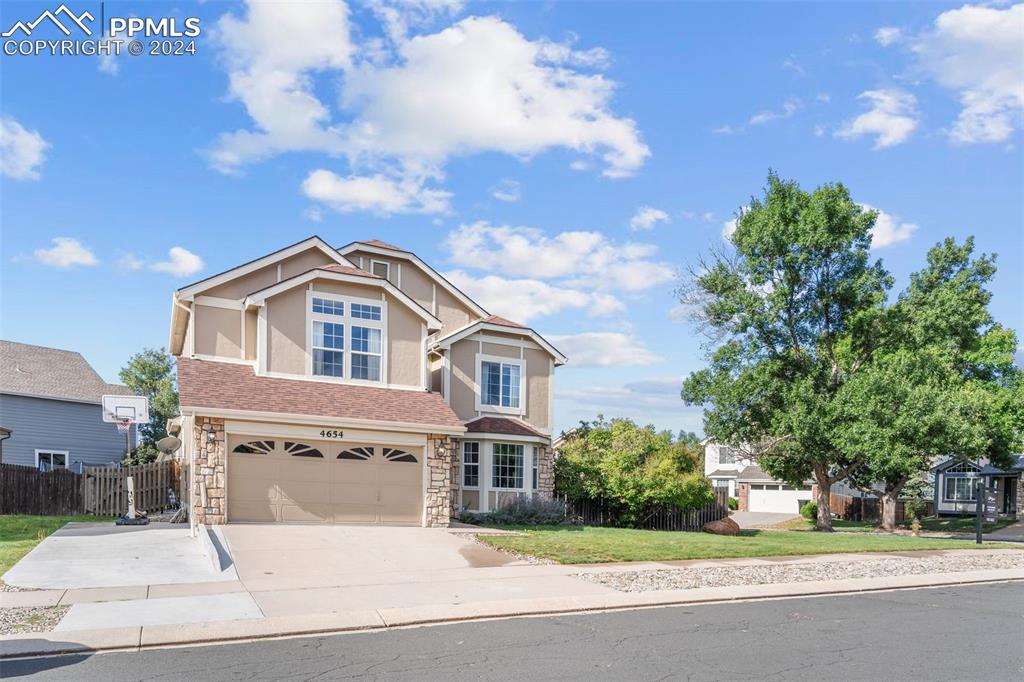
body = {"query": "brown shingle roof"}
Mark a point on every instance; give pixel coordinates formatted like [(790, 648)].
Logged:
[(51, 373), (508, 427), (231, 386), (382, 245), (494, 319)]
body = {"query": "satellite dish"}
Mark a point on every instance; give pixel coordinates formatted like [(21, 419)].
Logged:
[(168, 445)]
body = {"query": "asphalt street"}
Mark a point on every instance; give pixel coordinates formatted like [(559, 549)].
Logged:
[(956, 633)]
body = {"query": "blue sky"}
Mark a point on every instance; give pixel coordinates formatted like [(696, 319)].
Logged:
[(562, 161)]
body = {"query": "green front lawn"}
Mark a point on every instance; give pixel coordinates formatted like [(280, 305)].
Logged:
[(961, 524), (838, 525), (19, 534), (585, 545)]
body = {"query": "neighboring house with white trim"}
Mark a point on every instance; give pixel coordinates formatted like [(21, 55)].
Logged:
[(50, 401), (356, 385), (754, 489), (956, 486)]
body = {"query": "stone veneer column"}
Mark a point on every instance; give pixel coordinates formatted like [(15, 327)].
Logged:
[(210, 459), (545, 471), (439, 484)]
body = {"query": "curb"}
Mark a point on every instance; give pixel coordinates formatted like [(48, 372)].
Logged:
[(152, 637)]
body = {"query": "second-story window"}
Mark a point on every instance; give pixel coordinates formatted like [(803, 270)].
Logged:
[(727, 455), (499, 383), (346, 339)]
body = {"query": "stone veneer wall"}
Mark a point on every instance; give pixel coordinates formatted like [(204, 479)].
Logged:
[(545, 470), (210, 459), (438, 501)]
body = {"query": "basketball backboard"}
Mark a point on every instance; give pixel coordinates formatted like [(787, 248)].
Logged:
[(117, 408)]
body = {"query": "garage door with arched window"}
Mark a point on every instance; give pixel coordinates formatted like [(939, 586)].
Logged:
[(292, 480)]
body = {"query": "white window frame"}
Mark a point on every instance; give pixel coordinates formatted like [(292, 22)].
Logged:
[(392, 267), (523, 467), (47, 451), (972, 487), (348, 321), (481, 358), (478, 464), (733, 457)]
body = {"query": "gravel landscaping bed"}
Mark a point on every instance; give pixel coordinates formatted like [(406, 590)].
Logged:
[(30, 619), (721, 576)]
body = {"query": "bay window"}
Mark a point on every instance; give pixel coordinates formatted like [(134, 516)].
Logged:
[(507, 466), (470, 464)]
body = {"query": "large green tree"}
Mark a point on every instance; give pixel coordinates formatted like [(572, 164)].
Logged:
[(794, 310), (941, 381), (151, 373)]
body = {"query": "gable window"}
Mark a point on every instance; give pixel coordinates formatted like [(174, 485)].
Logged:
[(328, 349), (381, 269), (507, 466), (471, 464), (366, 352), (500, 383), (346, 338), (48, 460)]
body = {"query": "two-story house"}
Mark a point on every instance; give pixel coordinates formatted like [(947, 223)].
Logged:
[(753, 489), (356, 385)]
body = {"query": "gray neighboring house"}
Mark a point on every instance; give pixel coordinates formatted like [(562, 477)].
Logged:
[(50, 401)]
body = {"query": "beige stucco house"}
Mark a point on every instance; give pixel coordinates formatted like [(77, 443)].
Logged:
[(355, 385)]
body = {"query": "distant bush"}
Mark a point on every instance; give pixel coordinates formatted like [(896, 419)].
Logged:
[(522, 511), (734, 504), (915, 509), (809, 511)]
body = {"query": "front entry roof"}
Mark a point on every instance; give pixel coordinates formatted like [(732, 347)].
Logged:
[(501, 425), (234, 389)]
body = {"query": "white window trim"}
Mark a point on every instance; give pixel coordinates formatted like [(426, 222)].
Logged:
[(348, 321), (49, 451), (374, 263), (481, 358), (973, 488), (478, 464), (527, 459)]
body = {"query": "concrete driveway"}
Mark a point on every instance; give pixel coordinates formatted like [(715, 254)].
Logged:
[(89, 555)]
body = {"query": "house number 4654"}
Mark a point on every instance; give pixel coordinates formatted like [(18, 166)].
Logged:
[(328, 433)]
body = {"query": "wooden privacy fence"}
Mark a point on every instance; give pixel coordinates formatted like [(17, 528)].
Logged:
[(98, 490), (852, 508), (600, 512), (26, 490), (106, 488)]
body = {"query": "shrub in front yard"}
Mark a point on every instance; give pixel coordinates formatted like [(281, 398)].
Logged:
[(915, 509), (523, 511), (734, 504), (809, 511)]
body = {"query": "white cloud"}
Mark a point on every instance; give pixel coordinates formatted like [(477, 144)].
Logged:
[(728, 227), (181, 263), (726, 129), (579, 165), (129, 262), (819, 131), (891, 119), (409, 104), (646, 217), (889, 229), (887, 35), (66, 252), (976, 52), (789, 107), (313, 214), (605, 349), (823, 97), (522, 300), (793, 65), (273, 77), (376, 193), (22, 151), (507, 190), (652, 400), (582, 259)]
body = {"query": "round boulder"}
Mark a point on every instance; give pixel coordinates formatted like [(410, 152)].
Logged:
[(724, 526)]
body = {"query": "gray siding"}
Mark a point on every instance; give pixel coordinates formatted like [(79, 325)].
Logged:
[(41, 423)]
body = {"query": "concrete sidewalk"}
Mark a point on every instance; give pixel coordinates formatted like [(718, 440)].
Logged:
[(178, 614)]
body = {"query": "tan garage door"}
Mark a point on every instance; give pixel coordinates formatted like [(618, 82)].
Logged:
[(275, 479)]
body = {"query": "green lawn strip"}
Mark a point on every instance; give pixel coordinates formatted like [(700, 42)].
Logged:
[(20, 533), (584, 545), (838, 524), (961, 524)]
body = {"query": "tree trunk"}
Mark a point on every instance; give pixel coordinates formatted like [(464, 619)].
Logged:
[(889, 499), (824, 520)]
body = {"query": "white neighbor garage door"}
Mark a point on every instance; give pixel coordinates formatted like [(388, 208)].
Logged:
[(769, 498), (273, 479)]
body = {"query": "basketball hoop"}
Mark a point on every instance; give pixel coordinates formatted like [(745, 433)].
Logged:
[(123, 425)]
